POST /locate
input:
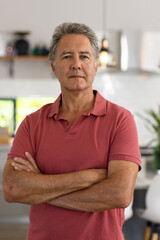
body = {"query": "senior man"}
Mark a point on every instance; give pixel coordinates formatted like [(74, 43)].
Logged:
[(75, 161)]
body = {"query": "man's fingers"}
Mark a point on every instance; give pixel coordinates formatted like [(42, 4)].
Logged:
[(19, 167), (21, 161), (31, 159), (22, 164)]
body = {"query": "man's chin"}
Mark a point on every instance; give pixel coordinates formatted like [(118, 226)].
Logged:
[(78, 88)]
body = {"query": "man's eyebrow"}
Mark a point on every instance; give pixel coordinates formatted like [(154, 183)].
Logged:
[(69, 52), (85, 52)]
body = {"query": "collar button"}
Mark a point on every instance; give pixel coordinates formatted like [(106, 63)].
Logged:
[(66, 123)]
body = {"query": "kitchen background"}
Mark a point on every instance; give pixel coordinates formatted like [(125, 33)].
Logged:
[(132, 28)]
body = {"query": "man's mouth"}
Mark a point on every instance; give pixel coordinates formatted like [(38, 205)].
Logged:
[(76, 76)]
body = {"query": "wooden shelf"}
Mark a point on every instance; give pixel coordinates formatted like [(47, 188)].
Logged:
[(12, 59), (28, 57)]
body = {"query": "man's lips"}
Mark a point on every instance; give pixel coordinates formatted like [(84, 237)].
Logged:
[(76, 76)]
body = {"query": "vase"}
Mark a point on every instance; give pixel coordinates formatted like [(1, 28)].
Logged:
[(21, 44)]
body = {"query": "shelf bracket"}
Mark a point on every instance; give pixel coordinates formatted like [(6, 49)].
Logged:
[(11, 68)]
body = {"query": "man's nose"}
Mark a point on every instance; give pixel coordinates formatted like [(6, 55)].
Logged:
[(76, 63)]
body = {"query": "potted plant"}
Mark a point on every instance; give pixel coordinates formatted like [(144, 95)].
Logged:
[(153, 124)]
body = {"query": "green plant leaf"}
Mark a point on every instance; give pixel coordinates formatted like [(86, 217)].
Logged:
[(152, 123)]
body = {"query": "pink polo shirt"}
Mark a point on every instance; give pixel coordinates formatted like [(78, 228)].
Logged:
[(106, 133)]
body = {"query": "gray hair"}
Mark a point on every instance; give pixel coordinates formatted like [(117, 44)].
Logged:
[(73, 28)]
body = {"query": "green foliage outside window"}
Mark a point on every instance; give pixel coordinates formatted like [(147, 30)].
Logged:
[(7, 114), (25, 106)]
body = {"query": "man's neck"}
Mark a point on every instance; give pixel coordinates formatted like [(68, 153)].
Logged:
[(77, 102)]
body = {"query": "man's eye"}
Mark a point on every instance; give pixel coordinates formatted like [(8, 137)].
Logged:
[(67, 56), (84, 57)]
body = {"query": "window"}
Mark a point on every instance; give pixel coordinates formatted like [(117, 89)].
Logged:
[(7, 114), (13, 111)]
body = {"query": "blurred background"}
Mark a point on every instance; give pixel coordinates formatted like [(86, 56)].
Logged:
[(128, 75)]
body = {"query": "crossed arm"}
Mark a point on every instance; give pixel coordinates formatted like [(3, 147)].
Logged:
[(88, 190)]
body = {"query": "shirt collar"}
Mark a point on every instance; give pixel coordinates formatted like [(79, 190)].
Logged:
[(99, 108), (54, 108)]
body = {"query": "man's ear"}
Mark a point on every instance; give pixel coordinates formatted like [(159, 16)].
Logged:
[(96, 67), (53, 68)]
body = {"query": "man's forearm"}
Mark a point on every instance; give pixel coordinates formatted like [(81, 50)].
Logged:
[(35, 188), (106, 189), (114, 192), (98, 197)]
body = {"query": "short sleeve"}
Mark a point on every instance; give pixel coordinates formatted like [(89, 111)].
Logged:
[(124, 145), (22, 142)]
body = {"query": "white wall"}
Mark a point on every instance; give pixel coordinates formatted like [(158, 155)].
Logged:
[(138, 14), (121, 14), (137, 93), (41, 17)]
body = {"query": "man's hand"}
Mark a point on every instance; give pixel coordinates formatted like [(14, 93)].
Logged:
[(20, 164)]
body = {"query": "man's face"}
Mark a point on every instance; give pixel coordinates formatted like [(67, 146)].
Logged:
[(74, 64)]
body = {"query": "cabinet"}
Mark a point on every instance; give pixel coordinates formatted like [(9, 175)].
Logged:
[(10, 212), (4, 149)]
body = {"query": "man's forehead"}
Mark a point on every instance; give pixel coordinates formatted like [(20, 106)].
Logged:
[(74, 39), (75, 42), (74, 35)]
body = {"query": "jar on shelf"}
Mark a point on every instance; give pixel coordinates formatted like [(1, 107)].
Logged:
[(21, 44)]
